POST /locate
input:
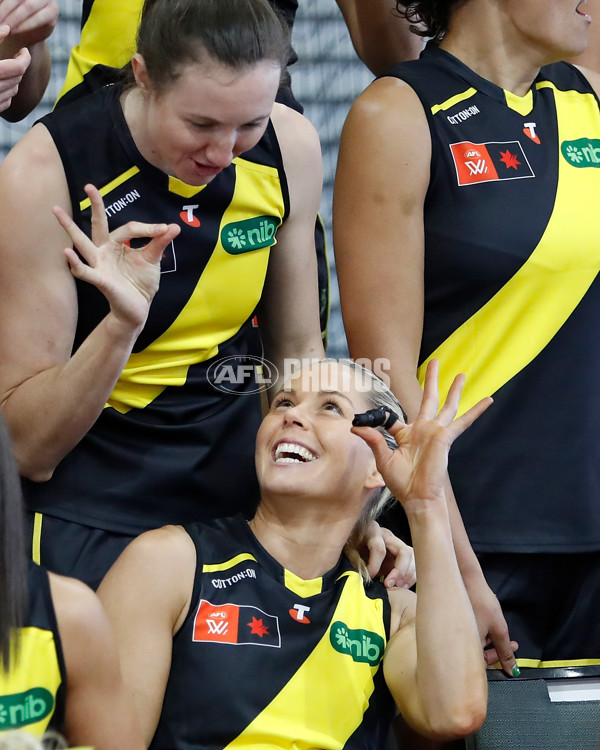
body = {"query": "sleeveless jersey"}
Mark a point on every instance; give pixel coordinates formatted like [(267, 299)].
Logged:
[(32, 692), (175, 441), (512, 298), (100, 49), (266, 659)]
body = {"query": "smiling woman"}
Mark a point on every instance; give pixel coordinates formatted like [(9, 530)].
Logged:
[(252, 615), (115, 345)]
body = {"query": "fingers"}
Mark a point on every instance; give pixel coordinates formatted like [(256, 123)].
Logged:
[(505, 659), (100, 231), (376, 547), (430, 400), (25, 16), (164, 234), (404, 573)]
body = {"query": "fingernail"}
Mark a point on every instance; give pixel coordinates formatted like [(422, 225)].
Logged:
[(391, 584), (516, 672)]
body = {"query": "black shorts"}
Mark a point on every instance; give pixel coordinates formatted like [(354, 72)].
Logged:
[(72, 549), (551, 603)]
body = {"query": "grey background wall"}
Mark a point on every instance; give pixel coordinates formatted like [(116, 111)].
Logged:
[(326, 80)]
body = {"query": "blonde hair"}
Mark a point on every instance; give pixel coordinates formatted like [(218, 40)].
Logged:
[(379, 394)]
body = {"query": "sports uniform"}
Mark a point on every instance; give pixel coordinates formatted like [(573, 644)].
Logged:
[(512, 299), (108, 41), (175, 440), (266, 659), (32, 692)]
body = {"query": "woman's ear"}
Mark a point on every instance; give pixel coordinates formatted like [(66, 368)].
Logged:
[(374, 479), (140, 71)]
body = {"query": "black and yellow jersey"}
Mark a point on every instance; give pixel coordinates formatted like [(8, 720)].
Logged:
[(512, 298), (32, 691), (267, 659), (169, 447)]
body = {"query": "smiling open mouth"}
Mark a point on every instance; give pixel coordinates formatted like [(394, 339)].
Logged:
[(292, 453)]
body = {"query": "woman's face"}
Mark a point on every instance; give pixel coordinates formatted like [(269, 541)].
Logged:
[(304, 445), (559, 28), (194, 127)]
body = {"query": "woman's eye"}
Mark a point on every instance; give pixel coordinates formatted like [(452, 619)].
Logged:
[(332, 406), (285, 402)]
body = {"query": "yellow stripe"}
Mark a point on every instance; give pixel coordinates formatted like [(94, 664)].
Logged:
[(301, 587), (453, 100), (111, 186), (36, 540), (536, 663), (510, 330), (183, 189), (214, 568), (324, 702), (521, 104)]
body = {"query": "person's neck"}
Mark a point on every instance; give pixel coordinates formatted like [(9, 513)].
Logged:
[(308, 543), (477, 37), (133, 105)]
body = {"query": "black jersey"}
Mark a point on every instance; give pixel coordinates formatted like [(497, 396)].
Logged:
[(512, 298), (266, 659), (32, 692), (172, 444)]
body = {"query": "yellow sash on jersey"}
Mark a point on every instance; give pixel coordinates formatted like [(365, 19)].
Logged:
[(324, 702), (225, 296), (513, 327)]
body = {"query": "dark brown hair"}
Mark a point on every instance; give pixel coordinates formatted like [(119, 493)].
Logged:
[(431, 17), (235, 33)]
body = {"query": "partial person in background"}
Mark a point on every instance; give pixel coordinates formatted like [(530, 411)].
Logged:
[(265, 633), (24, 58), (119, 423), (477, 207), (59, 666)]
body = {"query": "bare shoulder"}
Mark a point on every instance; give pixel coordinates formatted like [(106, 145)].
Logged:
[(390, 108), (158, 567), (35, 149), (157, 558), (297, 136)]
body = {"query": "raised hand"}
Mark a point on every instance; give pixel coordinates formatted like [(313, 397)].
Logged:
[(127, 277), (416, 471)]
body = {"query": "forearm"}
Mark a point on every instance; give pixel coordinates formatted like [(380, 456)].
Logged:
[(51, 411), (450, 672), (379, 35)]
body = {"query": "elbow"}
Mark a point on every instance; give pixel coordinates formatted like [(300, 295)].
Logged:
[(457, 722), (31, 466)]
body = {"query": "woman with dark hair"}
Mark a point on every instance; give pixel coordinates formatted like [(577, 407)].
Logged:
[(130, 407), (264, 633), (479, 188), (59, 665)]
